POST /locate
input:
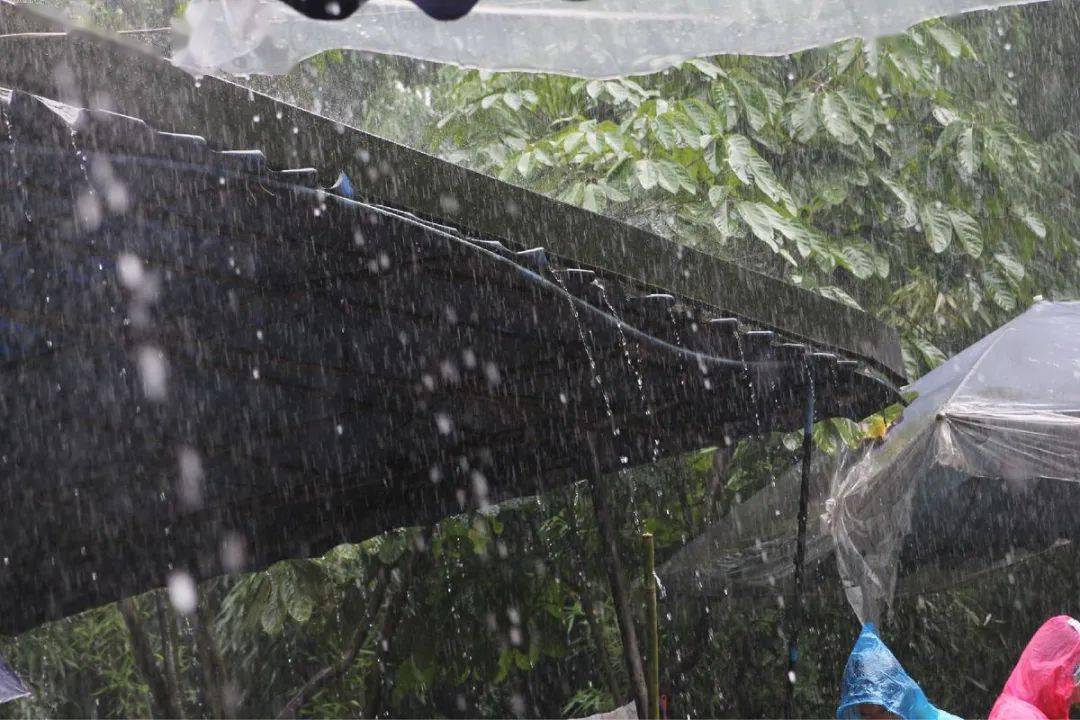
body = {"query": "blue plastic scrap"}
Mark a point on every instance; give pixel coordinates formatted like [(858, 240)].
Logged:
[(11, 687)]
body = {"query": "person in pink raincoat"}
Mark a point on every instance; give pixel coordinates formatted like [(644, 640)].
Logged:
[(1046, 681)]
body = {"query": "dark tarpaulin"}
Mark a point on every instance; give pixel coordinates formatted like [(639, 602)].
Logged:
[(216, 365)]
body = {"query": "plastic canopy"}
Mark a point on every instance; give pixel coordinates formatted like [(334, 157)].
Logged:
[(593, 38), (982, 469), (984, 463)]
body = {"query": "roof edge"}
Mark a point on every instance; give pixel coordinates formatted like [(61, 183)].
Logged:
[(109, 71)]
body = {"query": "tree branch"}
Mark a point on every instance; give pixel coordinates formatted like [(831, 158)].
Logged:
[(167, 624), (162, 705), (616, 579), (213, 668), (328, 674), (394, 607)]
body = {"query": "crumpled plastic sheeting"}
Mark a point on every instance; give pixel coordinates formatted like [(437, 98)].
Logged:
[(753, 546), (988, 453), (595, 38), (982, 470)]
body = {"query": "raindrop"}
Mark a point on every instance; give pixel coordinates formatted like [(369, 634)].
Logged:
[(182, 592), (130, 270), (233, 553), (152, 371), (480, 489), (191, 478)]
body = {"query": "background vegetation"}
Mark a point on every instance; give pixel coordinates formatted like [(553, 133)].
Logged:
[(927, 178)]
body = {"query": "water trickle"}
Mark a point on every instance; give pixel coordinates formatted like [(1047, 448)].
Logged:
[(749, 380), (9, 131), (654, 443), (593, 369)]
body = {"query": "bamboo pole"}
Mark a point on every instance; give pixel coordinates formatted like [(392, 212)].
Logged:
[(653, 668)]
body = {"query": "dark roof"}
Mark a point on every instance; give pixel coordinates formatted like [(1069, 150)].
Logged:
[(106, 72), (332, 368)]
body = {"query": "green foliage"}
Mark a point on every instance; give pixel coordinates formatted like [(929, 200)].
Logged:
[(890, 176)]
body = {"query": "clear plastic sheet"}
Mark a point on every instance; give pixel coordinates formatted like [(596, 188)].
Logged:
[(594, 38), (979, 456), (982, 469)]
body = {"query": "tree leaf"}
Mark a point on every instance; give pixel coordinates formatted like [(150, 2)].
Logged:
[(1012, 267), (747, 165), (705, 68), (272, 618), (524, 164), (512, 100), (932, 354), (949, 41), (720, 220), (739, 150), (944, 116), (834, 115), (717, 194), (1033, 222), (998, 291), (965, 152), (858, 261), (757, 217), (967, 231), (948, 136), (803, 117), (825, 438), (937, 226), (911, 215), (591, 198), (860, 112), (612, 193), (834, 293), (647, 174)]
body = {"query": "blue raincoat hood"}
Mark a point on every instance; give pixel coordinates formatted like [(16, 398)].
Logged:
[(873, 676)]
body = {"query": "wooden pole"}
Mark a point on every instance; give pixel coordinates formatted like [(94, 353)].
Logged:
[(795, 612), (621, 597), (653, 667), (619, 593)]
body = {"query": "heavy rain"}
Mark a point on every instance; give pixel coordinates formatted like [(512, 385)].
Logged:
[(487, 358)]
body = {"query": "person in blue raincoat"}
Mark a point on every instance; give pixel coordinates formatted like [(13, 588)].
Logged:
[(876, 686)]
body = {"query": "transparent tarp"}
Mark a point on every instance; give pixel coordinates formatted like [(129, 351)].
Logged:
[(982, 469), (597, 38)]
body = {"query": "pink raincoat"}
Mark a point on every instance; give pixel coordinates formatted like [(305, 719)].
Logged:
[(1042, 683)]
